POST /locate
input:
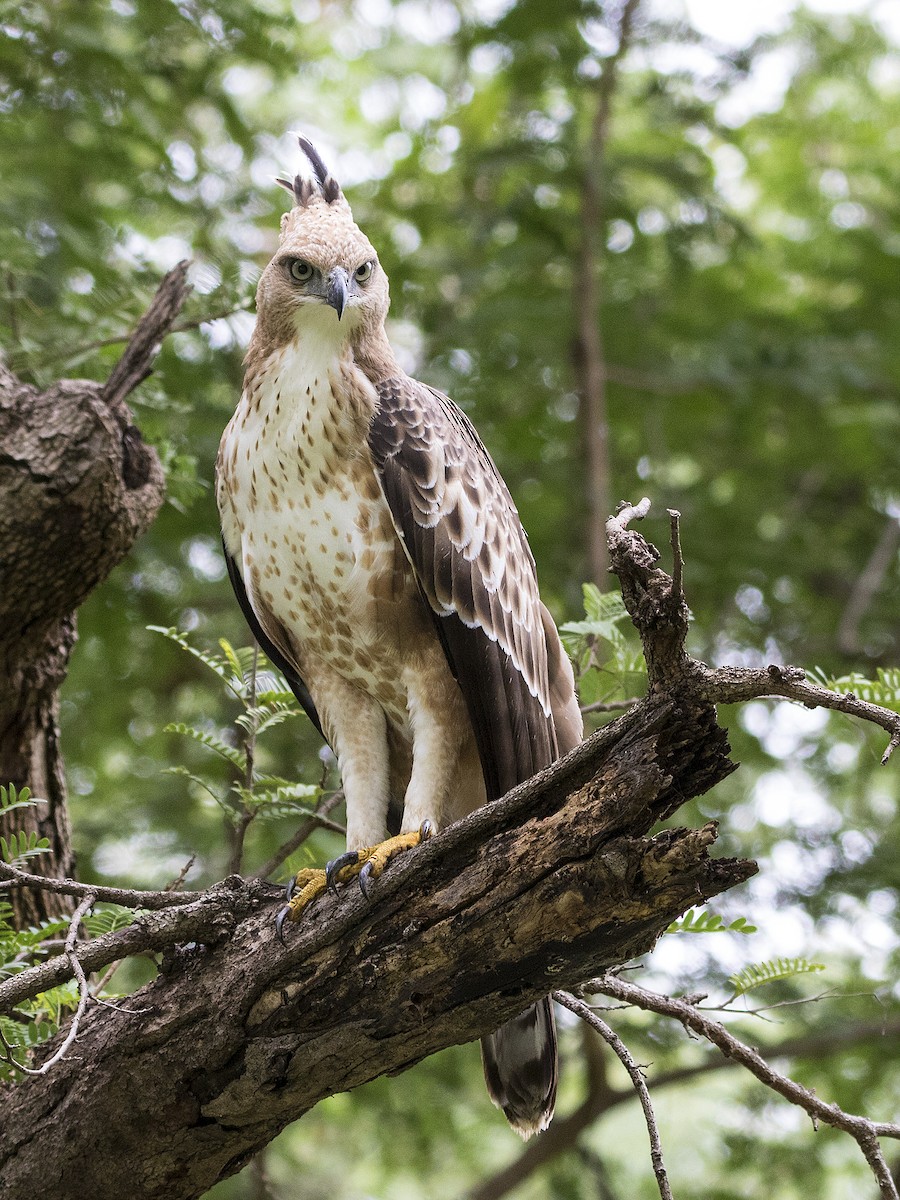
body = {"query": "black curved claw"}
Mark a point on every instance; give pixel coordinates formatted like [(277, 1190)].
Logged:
[(426, 830), (337, 864), (364, 876), (289, 889), (279, 924)]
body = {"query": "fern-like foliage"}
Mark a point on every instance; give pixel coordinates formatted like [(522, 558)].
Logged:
[(709, 922), (237, 758), (266, 701), (609, 663), (19, 847), (758, 974), (12, 798), (884, 689)]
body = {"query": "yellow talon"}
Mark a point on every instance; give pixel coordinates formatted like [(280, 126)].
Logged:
[(367, 864)]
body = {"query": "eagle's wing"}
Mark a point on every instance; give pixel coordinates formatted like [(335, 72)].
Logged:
[(471, 557), (268, 647)]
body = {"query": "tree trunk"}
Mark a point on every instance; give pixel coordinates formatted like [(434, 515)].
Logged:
[(77, 487)]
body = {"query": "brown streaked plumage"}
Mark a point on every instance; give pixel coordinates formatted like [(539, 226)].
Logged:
[(381, 563)]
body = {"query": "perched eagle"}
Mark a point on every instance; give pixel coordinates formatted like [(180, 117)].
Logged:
[(381, 564)]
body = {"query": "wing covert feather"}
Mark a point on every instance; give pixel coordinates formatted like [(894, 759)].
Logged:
[(474, 566)]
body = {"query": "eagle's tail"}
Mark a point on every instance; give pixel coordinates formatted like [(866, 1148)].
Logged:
[(520, 1068)]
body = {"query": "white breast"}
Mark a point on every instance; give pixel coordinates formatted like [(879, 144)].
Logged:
[(305, 519)]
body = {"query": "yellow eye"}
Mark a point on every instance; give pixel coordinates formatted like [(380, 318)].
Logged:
[(362, 273), (301, 271)]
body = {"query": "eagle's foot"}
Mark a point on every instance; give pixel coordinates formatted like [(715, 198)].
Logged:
[(368, 863), (301, 891)]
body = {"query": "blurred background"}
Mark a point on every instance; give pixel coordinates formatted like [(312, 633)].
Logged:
[(651, 248)]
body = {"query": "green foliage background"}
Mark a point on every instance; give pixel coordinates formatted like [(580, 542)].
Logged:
[(750, 306)]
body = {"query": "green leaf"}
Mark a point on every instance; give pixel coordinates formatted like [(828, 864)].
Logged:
[(757, 974), (211, 742), (11, 799), (219, 666), (21, 846), (709, 922)]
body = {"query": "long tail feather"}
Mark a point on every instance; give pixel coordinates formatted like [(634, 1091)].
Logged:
[(520, 1068)]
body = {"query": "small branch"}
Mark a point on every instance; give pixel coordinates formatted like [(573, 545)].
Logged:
[(128, 898), (65, 353), (204, 917), (625, 513), (610, 705), (656, 606), (865, 1132), (565, 1131), (732, 685), (318, 820), (135, 364), (677, 558), (613, 1040), (83, 993)]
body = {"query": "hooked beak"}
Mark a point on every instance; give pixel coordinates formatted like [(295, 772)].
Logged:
[(336, 290)]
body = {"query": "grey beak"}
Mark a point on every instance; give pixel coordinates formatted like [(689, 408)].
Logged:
[(336, 290)]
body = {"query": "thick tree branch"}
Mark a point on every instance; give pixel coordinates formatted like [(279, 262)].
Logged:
[(238, 1037), (557, 879)]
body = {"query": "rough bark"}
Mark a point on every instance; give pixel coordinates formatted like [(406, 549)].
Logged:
[(77, 487), (239, 1037)]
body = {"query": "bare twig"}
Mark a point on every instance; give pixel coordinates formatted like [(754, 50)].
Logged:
[(128, 897), (135, 363), (200, 917), (625, 513), (317, 820), (610, 705), (65, 353), (174, 886), (865, 1132), (661, 617), (677, 557), (731, 685), (83, 992), (565, 1131), (613, 1040)]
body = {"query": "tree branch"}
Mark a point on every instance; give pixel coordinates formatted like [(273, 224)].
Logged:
[(77, 487), (619, 1048), (565, 1131), (657, 608), (864, 1132), (556, 880), (135, 364)]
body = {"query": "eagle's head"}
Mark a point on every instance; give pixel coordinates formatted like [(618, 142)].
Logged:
[(325, 269)]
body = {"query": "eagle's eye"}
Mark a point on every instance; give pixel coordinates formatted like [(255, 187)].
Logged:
[(301, 271), (362, 273)]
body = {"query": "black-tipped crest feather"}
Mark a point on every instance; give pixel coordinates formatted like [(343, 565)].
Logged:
[(328, 185)]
